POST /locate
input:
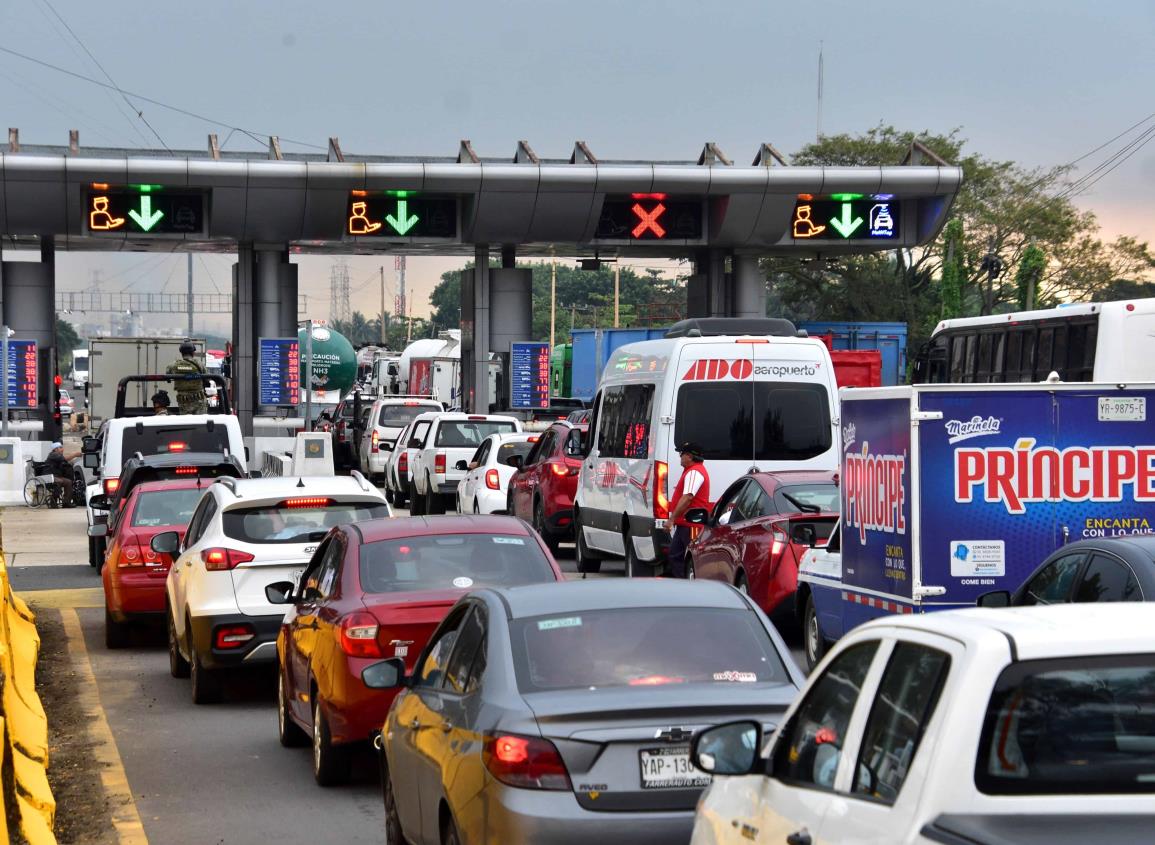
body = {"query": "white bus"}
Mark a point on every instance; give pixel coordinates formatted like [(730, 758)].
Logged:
[(1100, 342)]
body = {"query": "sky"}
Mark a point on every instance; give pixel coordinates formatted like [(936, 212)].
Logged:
[(1039, 82)]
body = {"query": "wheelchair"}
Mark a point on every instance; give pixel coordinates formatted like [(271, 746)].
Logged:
[(42, 490)]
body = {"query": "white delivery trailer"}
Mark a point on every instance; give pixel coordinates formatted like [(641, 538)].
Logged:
[(112, 358)]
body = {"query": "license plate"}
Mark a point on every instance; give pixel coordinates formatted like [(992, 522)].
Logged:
[(670, 768), (1122, 409)]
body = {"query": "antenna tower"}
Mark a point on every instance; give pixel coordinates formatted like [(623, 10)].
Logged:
[(339, 308)]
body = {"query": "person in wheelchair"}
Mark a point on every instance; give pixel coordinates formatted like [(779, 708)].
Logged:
[(60, 465)]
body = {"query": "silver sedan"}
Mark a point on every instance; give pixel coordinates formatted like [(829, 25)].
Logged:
[(563, 713)]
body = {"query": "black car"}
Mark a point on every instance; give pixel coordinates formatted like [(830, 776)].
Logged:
[(1102, 570)]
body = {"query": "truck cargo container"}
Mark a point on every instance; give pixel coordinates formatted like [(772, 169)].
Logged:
[(887, 338)]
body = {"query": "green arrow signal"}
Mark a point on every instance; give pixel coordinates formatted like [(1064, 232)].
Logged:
[(403, 222), (146, 218), (846, 226)]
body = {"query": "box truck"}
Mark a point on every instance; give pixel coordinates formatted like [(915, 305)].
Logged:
[(112, 358)]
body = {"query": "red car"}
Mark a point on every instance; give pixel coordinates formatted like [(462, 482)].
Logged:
[(133, 573), (543, 489), (758, 531), (378, 589)]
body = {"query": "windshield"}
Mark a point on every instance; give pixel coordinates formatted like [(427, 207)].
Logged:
[(80, 362), (288, 523), (463, 433), (165, 507), (520, 448), (396, 416), (755, 420), (802, 497), (449, 561), (174, 439), (632, 646), (1070, 727)]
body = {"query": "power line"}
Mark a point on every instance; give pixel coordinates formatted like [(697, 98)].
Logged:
[(1113, 140), (256, 136), (210, 272), (1084, 184)]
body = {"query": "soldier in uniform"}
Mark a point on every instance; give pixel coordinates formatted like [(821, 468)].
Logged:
[(190, 393)]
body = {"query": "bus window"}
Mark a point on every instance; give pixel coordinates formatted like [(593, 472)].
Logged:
[(969, 365), (1027, 362), (1014, 356), (1043, 363), (1080, 352), (1059, 353), (999, 359), (983, 373), (958, 346)]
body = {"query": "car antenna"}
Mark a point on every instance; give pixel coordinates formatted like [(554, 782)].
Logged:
[(300, 482)]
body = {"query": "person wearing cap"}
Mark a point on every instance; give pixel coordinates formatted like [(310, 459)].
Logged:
[(60, 465), (693, 491), (160, 403), (190, 393)]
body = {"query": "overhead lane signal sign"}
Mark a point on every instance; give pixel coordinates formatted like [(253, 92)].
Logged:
[(846, 217), (650, 217), (400, 214), (144, 210)]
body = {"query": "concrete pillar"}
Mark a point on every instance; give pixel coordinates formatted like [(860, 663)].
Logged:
[(510, 319), (475, 345), (267, 304), (289, 296), (706, 290), (748, 287), (508, 256), (244, 339), (28, 305)]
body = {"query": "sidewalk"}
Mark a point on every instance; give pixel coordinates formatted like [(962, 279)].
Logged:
[(44, 537)]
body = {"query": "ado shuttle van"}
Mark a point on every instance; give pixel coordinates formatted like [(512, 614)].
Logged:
[(752, 393)]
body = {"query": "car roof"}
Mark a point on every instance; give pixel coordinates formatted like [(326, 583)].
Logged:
[(374, 530), (797, 476), (1066, 630), (616, 594), (246, 490), (1142, 543)]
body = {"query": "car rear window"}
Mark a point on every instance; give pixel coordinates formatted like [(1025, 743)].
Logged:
[(643, 646), (165, 507), (1071, 726), (822, 496), (296, 520), (754, 420), (396, 416), (174, 439), (461, 433), (449, 561), (507, 450)]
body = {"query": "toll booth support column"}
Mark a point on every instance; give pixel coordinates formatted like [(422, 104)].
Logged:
[(272, 272), (287, 276), (510, 320), (244, 340), (706, 294), (748, 287), (28, 292), (475, 334)]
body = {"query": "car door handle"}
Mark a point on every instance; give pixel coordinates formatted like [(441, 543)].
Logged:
[(799, 837)]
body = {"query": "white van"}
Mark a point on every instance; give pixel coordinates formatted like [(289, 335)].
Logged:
[(752, 393)]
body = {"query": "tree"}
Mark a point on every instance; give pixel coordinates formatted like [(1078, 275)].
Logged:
[(67, 339)]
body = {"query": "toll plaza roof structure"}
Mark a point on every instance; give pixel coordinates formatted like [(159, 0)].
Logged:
[(145, 200)]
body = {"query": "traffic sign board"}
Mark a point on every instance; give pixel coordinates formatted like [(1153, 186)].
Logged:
[(279, 371), (650, 217), (22, 368), (529, 375), (843, 217), (143, 210), (400, 214)]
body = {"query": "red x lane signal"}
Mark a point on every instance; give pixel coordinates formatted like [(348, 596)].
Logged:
[(648, 219)]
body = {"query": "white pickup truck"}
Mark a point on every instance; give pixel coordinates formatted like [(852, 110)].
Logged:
[(440, 458)]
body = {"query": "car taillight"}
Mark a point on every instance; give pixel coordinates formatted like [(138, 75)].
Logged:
[(492, 481), (177, 446), (526, 762), (374, 442), (561, 470), (403, 462), (661, 500), (186, 470), (220, 559), (357, 635), (129, 556), (111, 485), (232, 636), (439, 463), (307, 502), (781, 541)]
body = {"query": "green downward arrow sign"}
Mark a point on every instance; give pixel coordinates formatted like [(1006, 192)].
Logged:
[(846, 226), (146, 218), (403, 222)]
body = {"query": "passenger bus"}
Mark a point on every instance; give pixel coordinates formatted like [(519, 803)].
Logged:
[(1101, 342)]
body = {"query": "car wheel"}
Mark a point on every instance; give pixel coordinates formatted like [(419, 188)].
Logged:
[(206, 684), (393, 834), (740, 584), (434, 504), (389, 497), (690, 574), (476, 508), (814, 643), (416, 501), (288, 731), (330, 762), (635, 566), (586, 562), (177, 666), (551, 541), (115, 633), (93, 560)]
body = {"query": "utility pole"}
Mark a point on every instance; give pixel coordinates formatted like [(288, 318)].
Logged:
[(382, 268), (552, 301), (189, 303), (617, 292)]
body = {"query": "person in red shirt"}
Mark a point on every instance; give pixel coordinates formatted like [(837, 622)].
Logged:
[(693, 491)]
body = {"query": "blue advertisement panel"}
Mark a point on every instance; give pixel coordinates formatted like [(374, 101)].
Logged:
[(278, 368), (1007, 477), (529, 375), (876, 496)]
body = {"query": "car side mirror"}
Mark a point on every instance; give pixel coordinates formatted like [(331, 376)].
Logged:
[(995, 598), (385, 447), (256, 473), (725, 518), (165, 543), (515, 461), (730, 749), (100, 502), (462, 465), (384, 675), (414, 443), (697, 516), (91, 460), (804, 535), (280, 592), (100, 529), (90, 444)]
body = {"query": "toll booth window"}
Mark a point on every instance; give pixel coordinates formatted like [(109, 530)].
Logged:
[(624, 426)]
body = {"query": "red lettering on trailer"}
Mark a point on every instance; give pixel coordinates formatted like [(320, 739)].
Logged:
[(875, 492)]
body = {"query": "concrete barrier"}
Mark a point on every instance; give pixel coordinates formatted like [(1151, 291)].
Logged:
[(28, 799)]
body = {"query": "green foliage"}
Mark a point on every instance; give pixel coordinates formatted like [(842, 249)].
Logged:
[(67, 339), (952, 271), (1031, 268), (361, 331)]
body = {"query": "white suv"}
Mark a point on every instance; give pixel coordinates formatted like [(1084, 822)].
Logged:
[(386, 420), (245, 535), (450, 438), (398, 473)]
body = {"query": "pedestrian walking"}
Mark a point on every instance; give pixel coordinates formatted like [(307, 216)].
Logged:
[(190, 393), (693, 491)]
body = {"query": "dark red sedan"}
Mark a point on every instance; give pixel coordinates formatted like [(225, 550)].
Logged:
[(542, 490), (378, 589), (133, 573), (758, 530)]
